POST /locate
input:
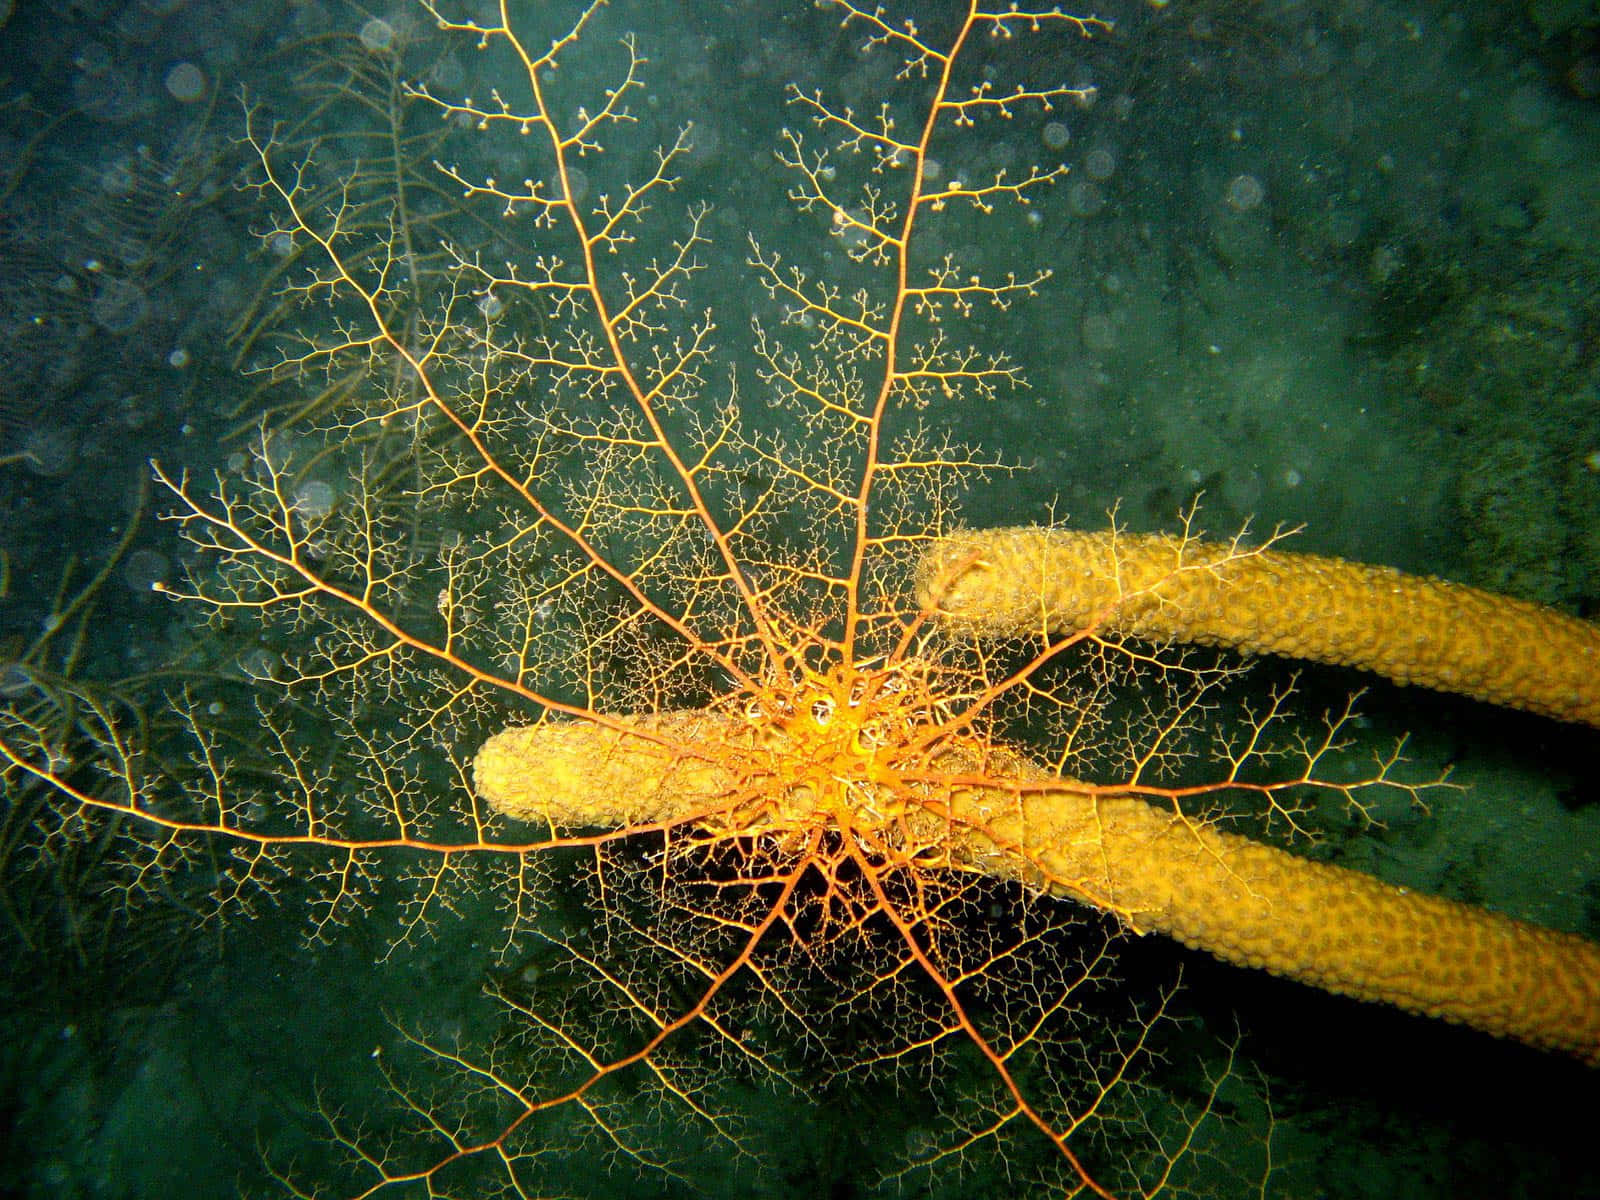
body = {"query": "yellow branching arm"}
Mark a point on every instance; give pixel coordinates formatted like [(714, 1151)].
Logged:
[(1159, 871), (1412, 629)]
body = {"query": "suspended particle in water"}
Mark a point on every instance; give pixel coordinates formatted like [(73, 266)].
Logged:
[(146, 570), (1085, 198), (314, 499), (377, 35), (118, 305), (1100, 164), (1244, 193), (186, 83)]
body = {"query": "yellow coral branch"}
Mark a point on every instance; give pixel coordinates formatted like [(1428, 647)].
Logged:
[(1412, 629), (1333, 928), (993, 810)]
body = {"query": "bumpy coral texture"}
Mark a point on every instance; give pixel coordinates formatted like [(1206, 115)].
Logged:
[(1160, 872), (1411, 629)]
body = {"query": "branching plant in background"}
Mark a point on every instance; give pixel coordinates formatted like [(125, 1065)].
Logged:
[(784, 810), (71, 915)]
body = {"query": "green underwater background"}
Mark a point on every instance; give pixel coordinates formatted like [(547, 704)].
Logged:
[(1330, 265)]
